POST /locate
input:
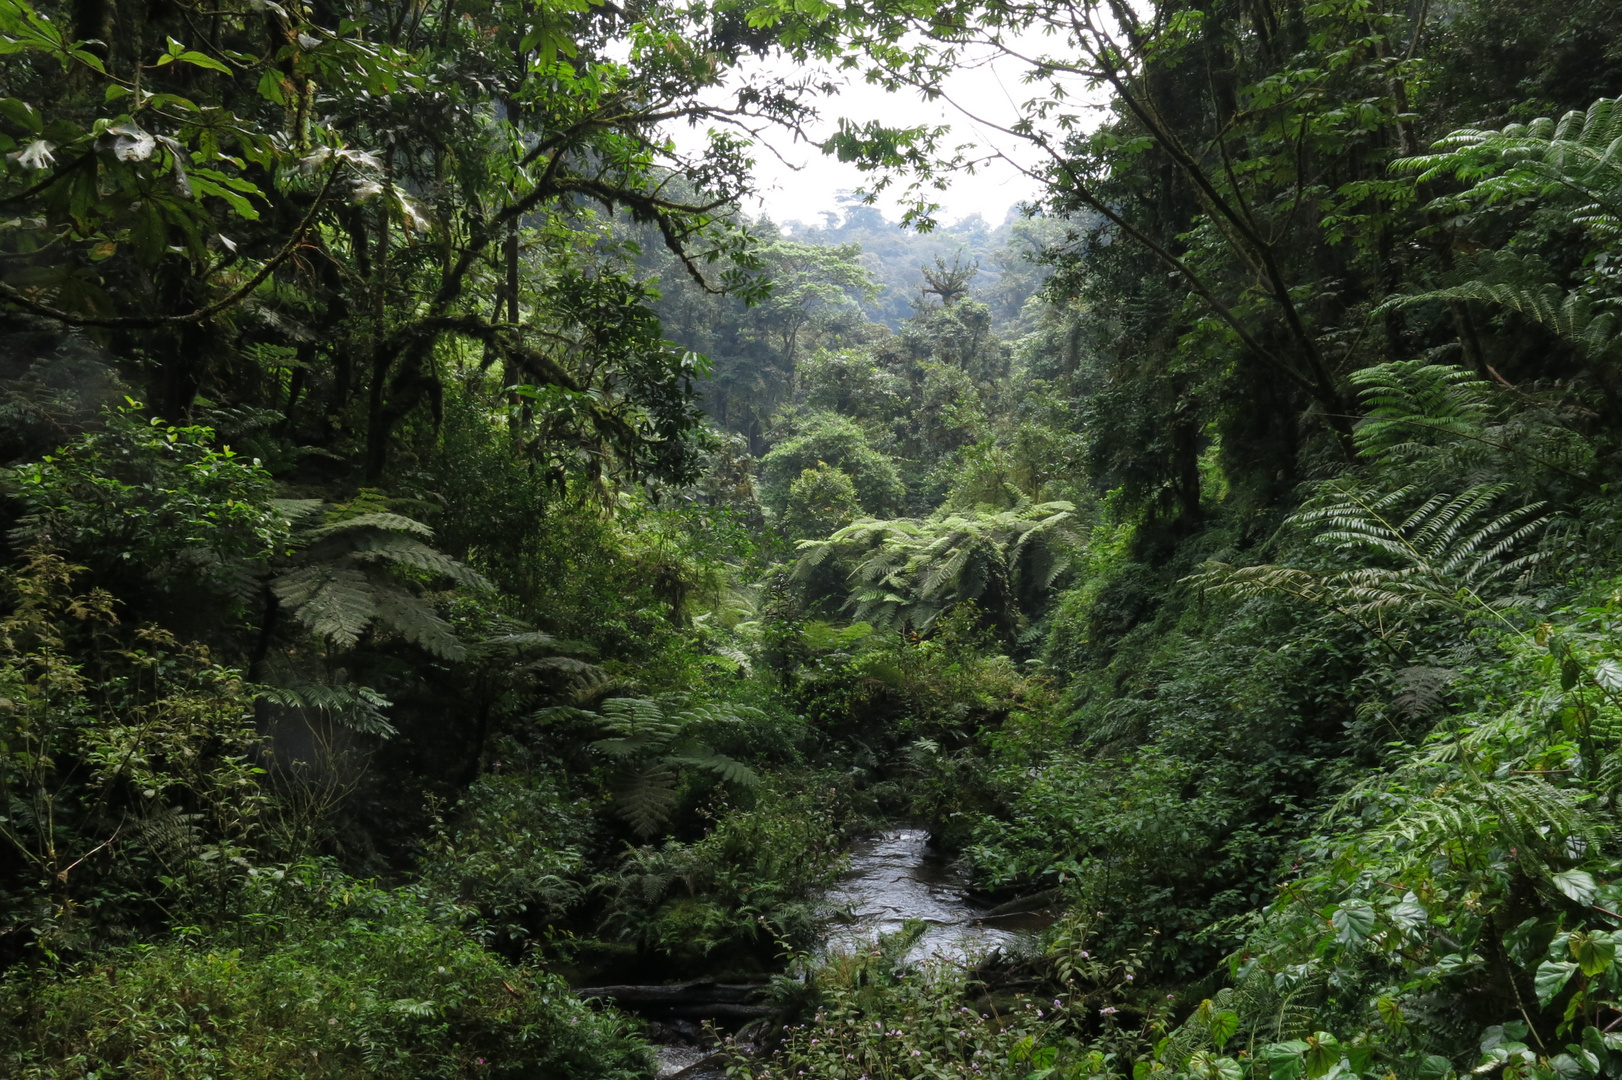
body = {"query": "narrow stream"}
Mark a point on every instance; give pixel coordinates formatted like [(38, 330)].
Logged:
[(894, 877)]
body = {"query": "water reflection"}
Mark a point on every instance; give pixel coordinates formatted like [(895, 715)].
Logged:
[(895, 876)]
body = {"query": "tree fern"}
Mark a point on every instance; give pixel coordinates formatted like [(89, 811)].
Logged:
[(1589, 325), (1408, 404), (1580, 154), (357, 707), (915, 570), (1453, 554), (649, 744), (353, 574), (1571, 167)]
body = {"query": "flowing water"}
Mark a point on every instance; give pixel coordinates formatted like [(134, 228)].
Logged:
[(895, 877)]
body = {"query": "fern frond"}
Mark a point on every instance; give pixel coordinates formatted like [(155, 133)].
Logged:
[(1452, 553), (359, 708), (568, 665), (644, 798), (405, 551), (728, 769), (295, 511), (334, 602), (1569, 315), (387, 522), (637, 717), (415, 620)]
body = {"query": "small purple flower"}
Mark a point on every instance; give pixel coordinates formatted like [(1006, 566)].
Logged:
[(1108, 1010)]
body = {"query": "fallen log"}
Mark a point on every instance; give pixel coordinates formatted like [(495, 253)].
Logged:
[(719, 1010), (698, 992), (697, 1000), (1021, 905)]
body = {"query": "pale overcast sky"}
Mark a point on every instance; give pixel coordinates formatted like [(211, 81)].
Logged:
[(990, 89)]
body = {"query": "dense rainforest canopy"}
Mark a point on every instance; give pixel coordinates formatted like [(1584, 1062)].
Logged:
[(452, 554)]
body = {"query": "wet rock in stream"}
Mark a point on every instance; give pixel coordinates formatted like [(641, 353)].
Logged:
[(689, 1063)]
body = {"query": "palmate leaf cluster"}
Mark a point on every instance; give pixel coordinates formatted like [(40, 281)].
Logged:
[(911, 571)]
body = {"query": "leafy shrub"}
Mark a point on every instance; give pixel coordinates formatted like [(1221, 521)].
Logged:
[(908, 572), (753, 882), (514, 851), (125, 774), (877, 1018), (820, 501), (150, 506), (321, 977), (866, 694)]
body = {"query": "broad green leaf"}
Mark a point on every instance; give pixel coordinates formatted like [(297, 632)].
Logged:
[(206, 186), (1609, 675), (1434, 1067), (1410, 914), (22, 114), (1323, 1053), (270, 88), (1223, 1026), (1577, 884), (1551, 978), (1594, 952), (1353, 922), (202, 60), (1284, 1060)]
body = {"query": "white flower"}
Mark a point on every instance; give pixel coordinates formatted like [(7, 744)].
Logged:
[(36, 155)]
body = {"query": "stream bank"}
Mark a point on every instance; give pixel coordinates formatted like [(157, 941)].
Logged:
[(894, 877)]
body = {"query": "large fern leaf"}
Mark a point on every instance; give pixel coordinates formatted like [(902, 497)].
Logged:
[(650, 744), (335, 602), (645, 797), (348, 583), (1571, 167), (1455, 553), (357, 707), (691, 752), (383, 521), (404, 551)]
